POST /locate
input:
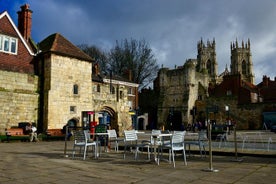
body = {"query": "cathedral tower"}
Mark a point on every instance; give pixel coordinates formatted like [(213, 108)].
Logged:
[(241, 61), (206, 59)]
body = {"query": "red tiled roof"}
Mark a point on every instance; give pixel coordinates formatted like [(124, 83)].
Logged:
[(56, 43)]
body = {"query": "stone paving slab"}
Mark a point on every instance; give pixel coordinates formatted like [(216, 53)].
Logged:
[(44, 162)]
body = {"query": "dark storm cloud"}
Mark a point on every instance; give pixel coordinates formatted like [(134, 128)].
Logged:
[(171, 27)]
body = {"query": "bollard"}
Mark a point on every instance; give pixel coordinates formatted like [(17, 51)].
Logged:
[(210, 169), (65, 141), (236, 147)]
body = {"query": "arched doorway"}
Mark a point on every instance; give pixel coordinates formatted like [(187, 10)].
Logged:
[(142, 122), (174, 120), (110, 117), (72, 122)]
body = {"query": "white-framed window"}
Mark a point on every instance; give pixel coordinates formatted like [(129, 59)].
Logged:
[(1, 42), (8, 44), (130, 104), (13, 45)]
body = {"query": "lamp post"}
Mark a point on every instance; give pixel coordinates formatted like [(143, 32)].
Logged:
[(227, 110), (210, 169)]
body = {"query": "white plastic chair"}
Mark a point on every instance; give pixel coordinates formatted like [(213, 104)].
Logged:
[(200, 142), (176, 144), (112, 137), (131, 140), (151, 142), (222, 138), (82, 140)]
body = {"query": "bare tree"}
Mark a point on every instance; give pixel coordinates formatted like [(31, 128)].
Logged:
[(135, 57), (128, 57), (97, 54)]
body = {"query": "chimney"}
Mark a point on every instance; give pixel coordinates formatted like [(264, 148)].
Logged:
[(25, 21), (96, 69), (130, 75)]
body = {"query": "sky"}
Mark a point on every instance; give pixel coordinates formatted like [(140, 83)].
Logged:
[(171, 28)]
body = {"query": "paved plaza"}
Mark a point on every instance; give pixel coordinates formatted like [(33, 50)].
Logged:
[(46, 162)]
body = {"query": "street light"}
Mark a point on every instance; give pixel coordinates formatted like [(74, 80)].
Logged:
[(227, 109)]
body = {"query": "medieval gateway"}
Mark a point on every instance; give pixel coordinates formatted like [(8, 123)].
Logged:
[(195, 92)]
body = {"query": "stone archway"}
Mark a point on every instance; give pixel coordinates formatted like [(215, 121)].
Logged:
[(73, 122), (142, 121), (112, 115)]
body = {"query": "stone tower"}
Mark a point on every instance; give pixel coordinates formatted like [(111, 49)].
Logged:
[(207, 60), (241, 61)]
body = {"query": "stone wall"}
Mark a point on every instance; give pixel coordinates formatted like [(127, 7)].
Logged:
[(179, 89), (18, 99), (61, 74), (121, 119), (246, 116)]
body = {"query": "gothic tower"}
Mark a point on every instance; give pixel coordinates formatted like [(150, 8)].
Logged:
[(241, 61), (206, 59)]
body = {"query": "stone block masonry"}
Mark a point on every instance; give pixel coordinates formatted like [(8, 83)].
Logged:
[(18, 98)]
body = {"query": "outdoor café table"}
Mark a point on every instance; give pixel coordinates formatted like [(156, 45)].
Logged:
[(97, 139)]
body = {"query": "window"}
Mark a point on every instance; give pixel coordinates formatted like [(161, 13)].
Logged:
[(75, 89), (130, 104), (1, 38), (209, 67), (98, 88), (121, 94), (228, 92), (129, 91), (112, 90), (13, 45), (72, 109), (199, 97), (243, 67), (8, 44)]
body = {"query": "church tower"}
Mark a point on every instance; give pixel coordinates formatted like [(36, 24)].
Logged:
[(241, 61), (207, 60)]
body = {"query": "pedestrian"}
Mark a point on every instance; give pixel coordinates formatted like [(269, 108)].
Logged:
[(32, 130), (67, 133)]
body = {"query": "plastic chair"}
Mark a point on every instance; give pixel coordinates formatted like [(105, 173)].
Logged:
[(151, 143), (131, 140), (222, 138), (176, 144), (200, 142), (82, 140), (112, 137)]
